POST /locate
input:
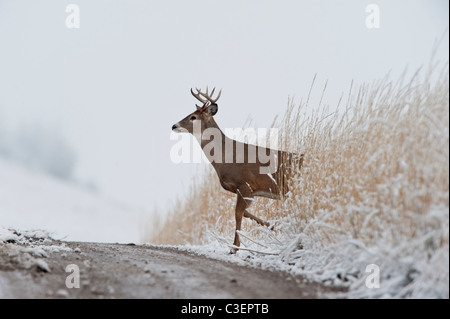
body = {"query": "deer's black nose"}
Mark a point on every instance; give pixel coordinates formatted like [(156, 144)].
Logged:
[(174, 127)]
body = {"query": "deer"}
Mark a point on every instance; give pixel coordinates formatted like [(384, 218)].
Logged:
[(244, 169)]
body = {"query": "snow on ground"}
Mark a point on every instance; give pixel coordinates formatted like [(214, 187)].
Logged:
[(416, 269), (27, 250), (31, 200), (30, 247)]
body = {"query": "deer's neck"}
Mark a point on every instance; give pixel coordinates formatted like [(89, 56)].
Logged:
[(212, 141)]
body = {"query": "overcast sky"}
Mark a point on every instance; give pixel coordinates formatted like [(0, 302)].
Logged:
[(115, 86)]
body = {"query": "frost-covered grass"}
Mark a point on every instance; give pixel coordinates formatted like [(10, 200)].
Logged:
[(374, 189)]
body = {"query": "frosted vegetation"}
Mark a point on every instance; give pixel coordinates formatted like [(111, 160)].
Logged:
[(374, 189)]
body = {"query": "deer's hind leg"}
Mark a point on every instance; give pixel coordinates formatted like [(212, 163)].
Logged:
[(256, 219)]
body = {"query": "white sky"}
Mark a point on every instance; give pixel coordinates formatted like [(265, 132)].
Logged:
[(117, 85)]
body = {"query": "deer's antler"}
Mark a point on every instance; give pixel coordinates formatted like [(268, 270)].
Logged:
[(209, 96), (197, 96), (209, 100)]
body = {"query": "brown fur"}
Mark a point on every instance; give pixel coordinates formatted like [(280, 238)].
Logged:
[(241, 176)]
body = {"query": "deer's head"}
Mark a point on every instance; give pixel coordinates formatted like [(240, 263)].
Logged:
[(201, 119)]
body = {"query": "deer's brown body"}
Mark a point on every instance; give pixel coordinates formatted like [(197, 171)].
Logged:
[(244, 169)]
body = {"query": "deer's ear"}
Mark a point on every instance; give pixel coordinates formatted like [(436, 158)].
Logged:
[(212, 109)]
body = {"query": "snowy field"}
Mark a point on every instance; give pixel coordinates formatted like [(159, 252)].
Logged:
[(31, 200), (368, 212), (369, 209), (376, 271)]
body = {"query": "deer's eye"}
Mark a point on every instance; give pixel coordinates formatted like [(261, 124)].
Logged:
[(193, 118)]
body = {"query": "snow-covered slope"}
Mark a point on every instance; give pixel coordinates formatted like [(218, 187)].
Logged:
[(30, 200)]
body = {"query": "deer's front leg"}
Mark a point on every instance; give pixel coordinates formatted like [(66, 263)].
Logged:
[(242, 203)]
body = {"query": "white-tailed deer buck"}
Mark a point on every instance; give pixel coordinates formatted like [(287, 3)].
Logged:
[(244, 169)]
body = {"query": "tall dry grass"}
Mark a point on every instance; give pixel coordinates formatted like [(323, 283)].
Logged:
[(375, 169)]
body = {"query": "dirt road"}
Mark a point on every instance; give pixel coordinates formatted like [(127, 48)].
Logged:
[(130, 271)]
